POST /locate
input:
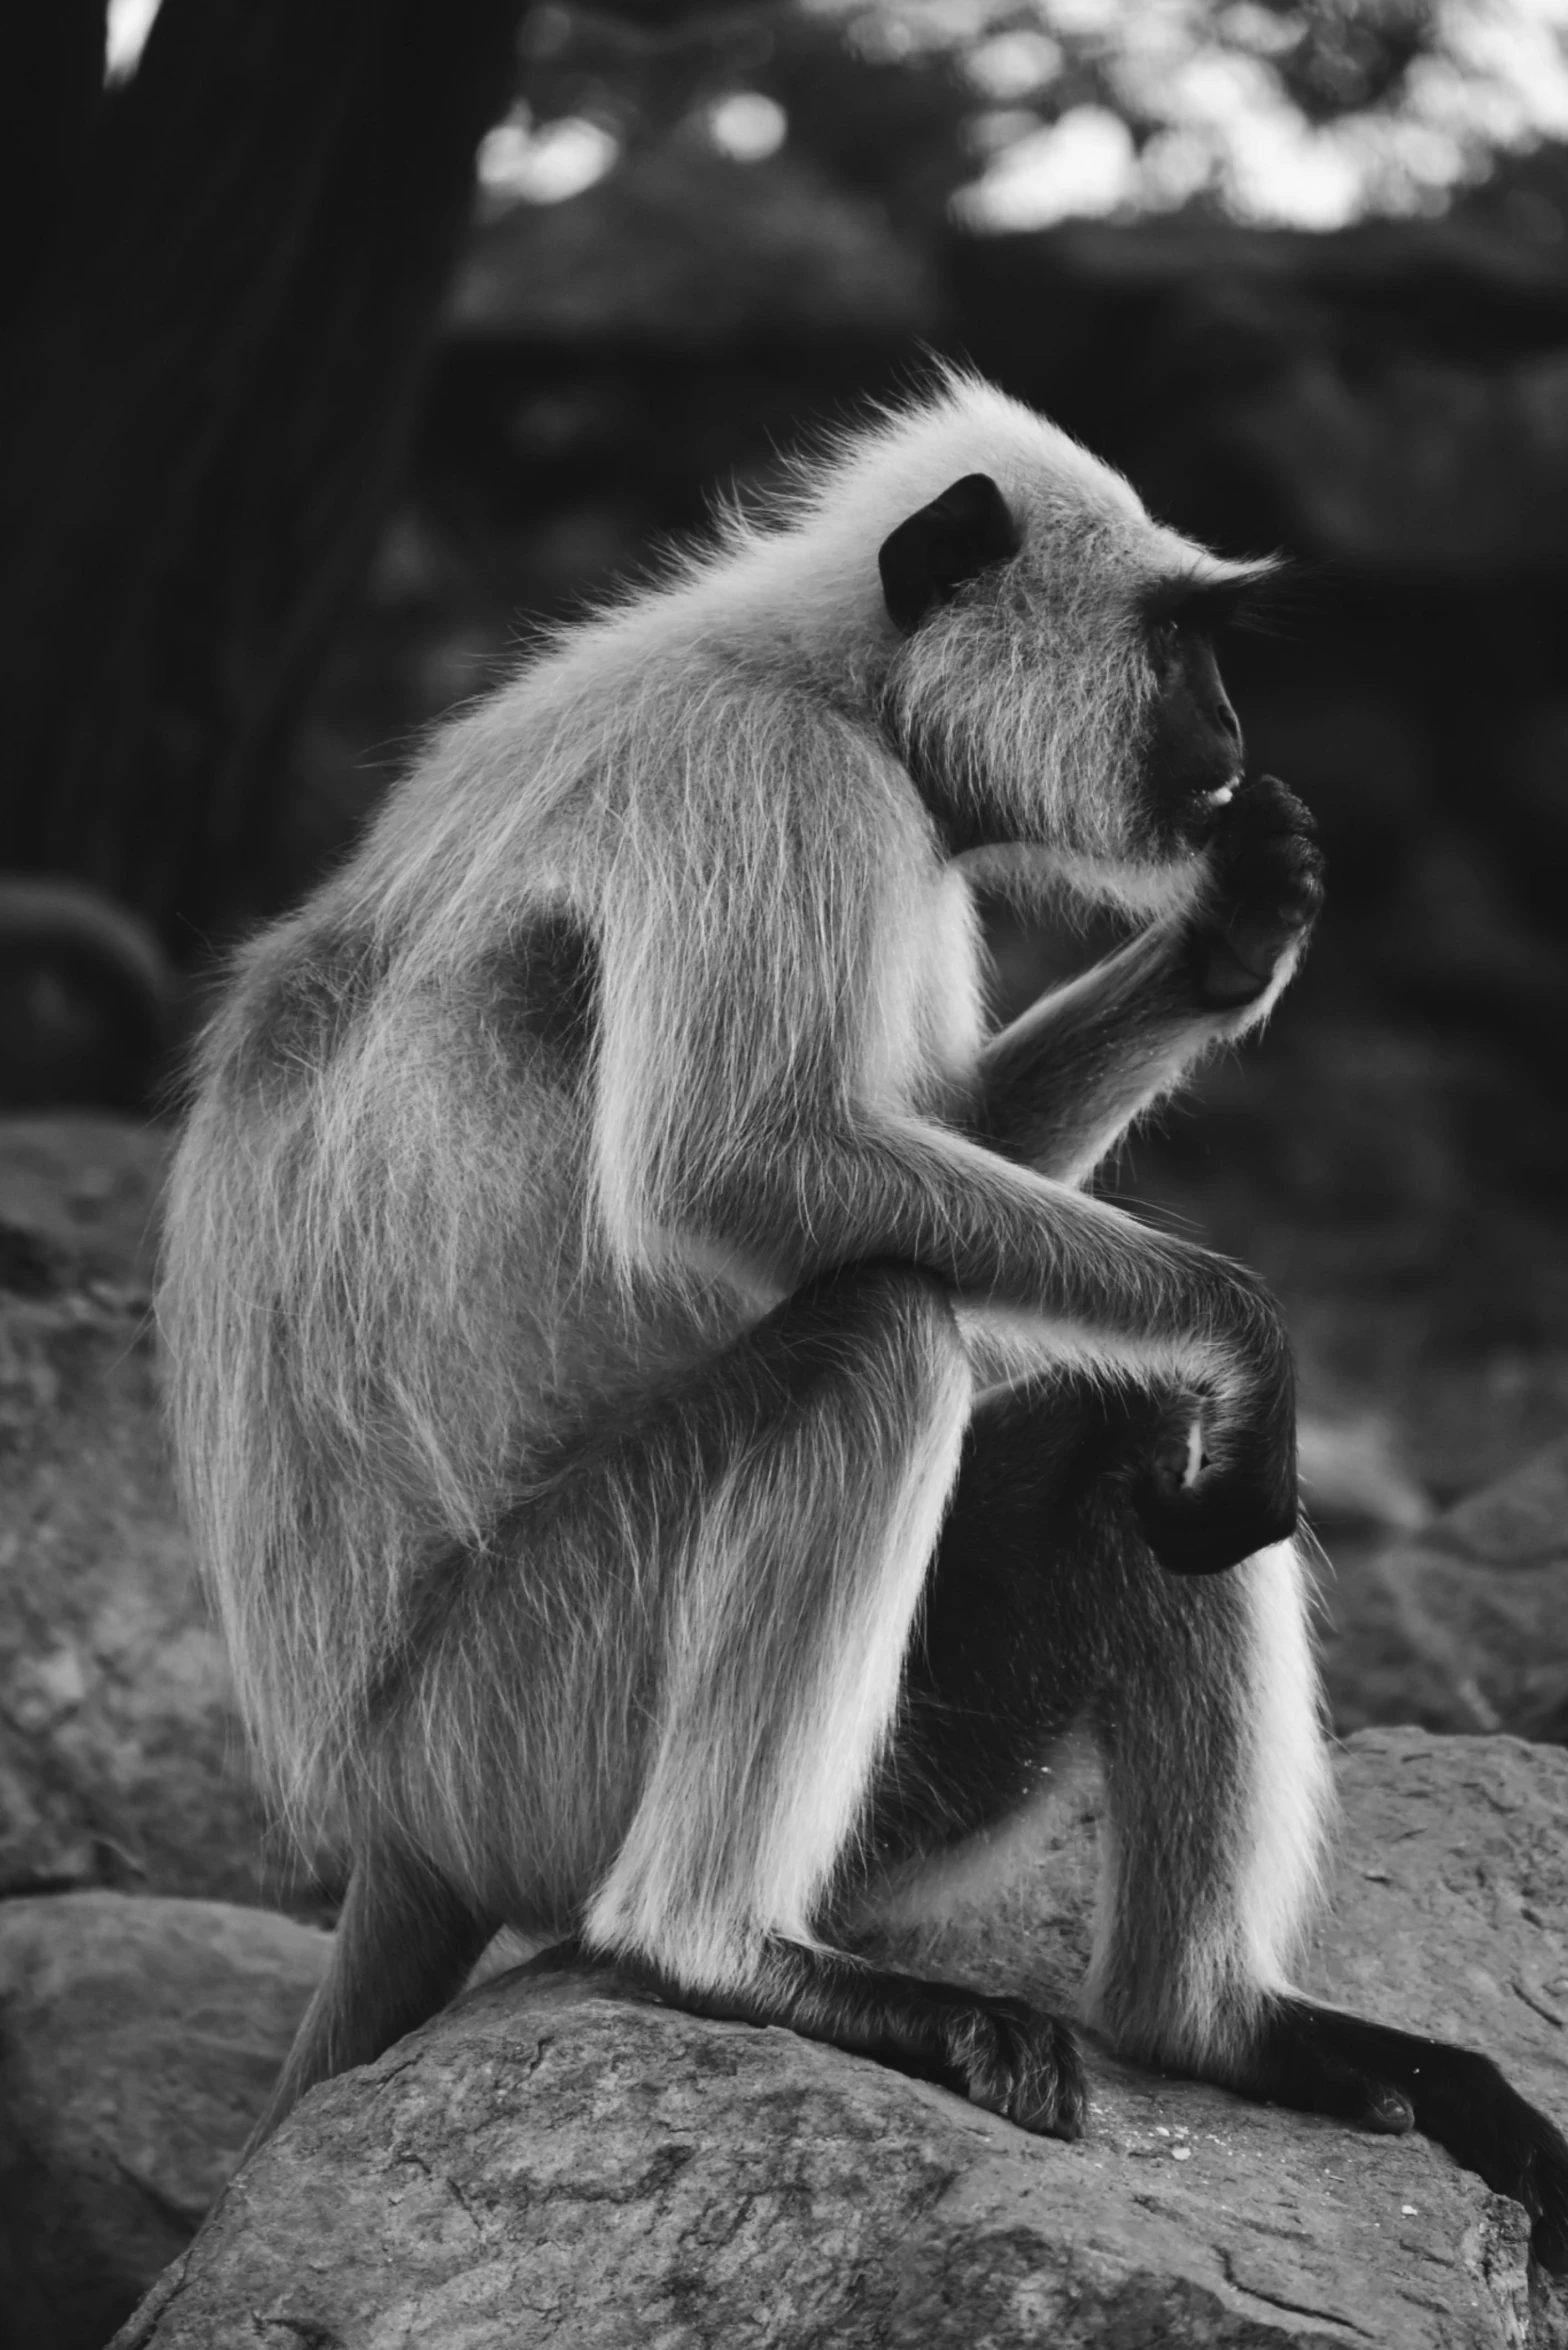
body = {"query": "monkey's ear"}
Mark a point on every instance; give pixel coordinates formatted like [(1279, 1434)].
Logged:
[(929, 557)]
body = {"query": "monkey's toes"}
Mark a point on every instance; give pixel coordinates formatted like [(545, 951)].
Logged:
[(1021, 2063), (1386, 2110)]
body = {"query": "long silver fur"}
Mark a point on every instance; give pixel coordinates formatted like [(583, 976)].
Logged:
[(426, 1235)]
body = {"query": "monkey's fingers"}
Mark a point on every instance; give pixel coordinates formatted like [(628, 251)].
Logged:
[(1235, 970), (1268, 892), (1262, 810), (1239, 957), (1218, 1521), (1178, 1458)]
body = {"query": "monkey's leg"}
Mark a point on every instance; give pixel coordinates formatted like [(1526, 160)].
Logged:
[(648, 1714), (1048, 1609), (404, 1943), (792, 1587), (1192, 1964)]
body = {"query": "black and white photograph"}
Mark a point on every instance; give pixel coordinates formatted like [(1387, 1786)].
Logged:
[(784, 1175)]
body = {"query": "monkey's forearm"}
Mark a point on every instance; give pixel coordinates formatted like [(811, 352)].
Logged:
[(1097, 1283), (1060, 1084)]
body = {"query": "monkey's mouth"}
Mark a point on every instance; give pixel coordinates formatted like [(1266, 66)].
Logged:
[(1199, 811), (1204, 811)]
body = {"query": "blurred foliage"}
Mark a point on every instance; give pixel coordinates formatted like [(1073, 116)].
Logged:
[(886, 123), (1023, 111), (1332, 59), (1524, 197)]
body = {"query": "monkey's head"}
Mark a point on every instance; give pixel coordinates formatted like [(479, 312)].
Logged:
[(1050, 672)]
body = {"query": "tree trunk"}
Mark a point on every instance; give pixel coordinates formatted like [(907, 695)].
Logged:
[(210, 388), (51, 96)]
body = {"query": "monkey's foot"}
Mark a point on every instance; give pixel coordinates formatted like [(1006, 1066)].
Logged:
[(1319, 2061), (1016, 2061), (1013, 2059)]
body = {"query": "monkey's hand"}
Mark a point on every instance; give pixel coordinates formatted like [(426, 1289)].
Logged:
[(1264, 896), (1217, 1479)]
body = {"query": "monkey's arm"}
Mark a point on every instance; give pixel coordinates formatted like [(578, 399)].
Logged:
[(1059, 1085), (1101, 1284), (739, 1107), (1071, 1280)]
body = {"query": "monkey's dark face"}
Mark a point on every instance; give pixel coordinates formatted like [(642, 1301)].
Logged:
[(1055, 685), (1192, 764)]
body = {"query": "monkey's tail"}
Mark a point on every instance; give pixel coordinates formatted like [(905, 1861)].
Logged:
[(404, 1945)]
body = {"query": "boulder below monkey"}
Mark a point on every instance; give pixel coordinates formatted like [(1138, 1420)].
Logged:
[(549, 2164)]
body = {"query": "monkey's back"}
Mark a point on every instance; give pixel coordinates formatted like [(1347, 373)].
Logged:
[(415, 1242), (383, 1299)]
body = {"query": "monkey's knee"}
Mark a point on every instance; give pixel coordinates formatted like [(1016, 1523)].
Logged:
[(877, 1301), (824, 1446), (1218, 1789), (872, 1348), (1200, 1497)]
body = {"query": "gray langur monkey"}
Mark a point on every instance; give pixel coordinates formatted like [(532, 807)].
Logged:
[(674, 1443)]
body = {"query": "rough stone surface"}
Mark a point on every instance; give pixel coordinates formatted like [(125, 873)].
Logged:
[(119, 1757), (551, 2164), (86, 1185), (138, 2040), (1464, 1626)]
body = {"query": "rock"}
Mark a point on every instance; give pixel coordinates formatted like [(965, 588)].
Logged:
[(138, 2040), (1465, 1625), (1351, 1474), (86, 1185), (87, 997), (551, 2164), (120, 1760)]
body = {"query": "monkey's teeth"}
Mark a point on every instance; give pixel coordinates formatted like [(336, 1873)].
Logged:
[(1223, 797)]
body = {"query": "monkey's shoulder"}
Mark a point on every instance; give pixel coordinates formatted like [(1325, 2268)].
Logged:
[(303, 990), (295, 991)]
